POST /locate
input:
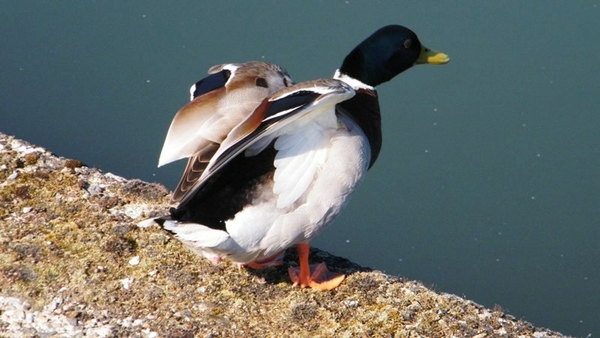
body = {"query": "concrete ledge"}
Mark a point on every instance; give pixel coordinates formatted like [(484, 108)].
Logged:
[(74, 262)]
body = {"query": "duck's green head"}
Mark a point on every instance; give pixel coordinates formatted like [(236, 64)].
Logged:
[(387, 53)]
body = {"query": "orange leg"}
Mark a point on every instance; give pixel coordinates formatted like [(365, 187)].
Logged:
[(315, 276)]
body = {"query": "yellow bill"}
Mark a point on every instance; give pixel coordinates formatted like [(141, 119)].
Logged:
[(432, 57)]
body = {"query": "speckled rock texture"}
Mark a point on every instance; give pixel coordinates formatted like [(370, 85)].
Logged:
[(77, 259)]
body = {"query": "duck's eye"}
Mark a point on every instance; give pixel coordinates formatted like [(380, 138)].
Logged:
[(407, 43), (261, 82), (285, 82)]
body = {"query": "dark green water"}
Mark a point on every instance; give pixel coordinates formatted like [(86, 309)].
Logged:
[(488, 182)]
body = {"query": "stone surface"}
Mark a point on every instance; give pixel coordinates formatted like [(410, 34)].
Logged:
[(74, 262)]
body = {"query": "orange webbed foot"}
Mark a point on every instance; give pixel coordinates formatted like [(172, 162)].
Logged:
[(315, 276), (320, 277)]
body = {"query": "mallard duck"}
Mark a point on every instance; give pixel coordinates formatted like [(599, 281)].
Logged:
[(272, 163)]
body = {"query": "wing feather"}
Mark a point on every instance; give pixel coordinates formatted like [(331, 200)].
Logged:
[(219, 103), (298, 163), (194, 168), (185, 134), (284, 112)]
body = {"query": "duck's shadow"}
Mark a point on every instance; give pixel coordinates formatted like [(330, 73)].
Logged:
[(279, 274)]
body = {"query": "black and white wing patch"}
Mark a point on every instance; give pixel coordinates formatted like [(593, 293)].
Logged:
[(296, 116)]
